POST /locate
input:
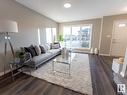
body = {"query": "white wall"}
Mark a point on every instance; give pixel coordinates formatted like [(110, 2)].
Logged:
[(102, 27), (28, 23), (96, 26), (107, 30)]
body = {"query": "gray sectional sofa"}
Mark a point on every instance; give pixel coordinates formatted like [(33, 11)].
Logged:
[(37, 60), (42, 58)]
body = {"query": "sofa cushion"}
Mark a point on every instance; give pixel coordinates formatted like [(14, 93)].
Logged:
[(54, 51), (41, 58)]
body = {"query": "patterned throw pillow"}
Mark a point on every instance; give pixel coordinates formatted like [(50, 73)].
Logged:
[(37, 49), (31, 50), (55, 45), (42, 49)]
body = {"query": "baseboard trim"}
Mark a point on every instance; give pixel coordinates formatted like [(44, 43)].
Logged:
[(2, 73), (105, 54)]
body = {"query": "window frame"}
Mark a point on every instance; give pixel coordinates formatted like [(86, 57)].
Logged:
[(81, 25), (52, 34)]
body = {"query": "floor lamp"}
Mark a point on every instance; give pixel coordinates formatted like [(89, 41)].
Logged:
[(7, 27)]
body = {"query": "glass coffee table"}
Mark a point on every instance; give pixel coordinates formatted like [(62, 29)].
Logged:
[(62, 60)]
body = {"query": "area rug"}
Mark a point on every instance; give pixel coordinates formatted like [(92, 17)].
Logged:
[(79, 79)]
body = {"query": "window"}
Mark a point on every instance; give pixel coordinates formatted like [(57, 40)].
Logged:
[(39, 40), (67, 36), (50, 35), (86, 36), (77, 36), (54, 34)]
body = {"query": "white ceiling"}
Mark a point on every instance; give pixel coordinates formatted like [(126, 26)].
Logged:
[(80, 10)]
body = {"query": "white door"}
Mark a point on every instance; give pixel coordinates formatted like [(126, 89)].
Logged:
[(119, 38)]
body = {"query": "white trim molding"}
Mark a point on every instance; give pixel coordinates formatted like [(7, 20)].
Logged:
[(105, 54), (101, 30), (2, 73)]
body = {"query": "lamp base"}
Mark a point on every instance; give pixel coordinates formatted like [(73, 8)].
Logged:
[(7, 40)]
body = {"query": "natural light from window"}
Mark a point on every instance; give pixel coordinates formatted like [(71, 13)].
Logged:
[(50, 35), (77, 36)]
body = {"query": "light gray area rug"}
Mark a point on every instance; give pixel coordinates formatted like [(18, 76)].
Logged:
[(79, 80)]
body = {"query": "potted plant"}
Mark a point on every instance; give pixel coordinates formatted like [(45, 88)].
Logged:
[(20, 54), (61, 39)]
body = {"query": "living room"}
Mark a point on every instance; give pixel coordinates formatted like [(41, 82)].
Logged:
[(85, 34)]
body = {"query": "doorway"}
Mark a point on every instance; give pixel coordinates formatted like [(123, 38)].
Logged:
[(119, 38)]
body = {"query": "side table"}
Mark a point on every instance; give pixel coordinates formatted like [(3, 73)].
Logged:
[(117, 66), (17, 68)]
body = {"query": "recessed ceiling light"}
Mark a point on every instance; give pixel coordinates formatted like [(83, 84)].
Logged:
[(67, 5), (122, 25)]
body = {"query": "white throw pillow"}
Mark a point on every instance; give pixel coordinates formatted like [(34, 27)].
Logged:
[(47, 46), (37, 49)]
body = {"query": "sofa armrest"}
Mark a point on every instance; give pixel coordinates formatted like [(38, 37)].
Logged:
[(28, 57)]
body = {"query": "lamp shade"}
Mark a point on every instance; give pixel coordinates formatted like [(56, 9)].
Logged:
[(8, 26)]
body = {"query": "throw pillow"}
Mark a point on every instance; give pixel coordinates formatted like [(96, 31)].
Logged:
[(55, 45), (47, 46), (42, 49), (37, 49), (31, 50)]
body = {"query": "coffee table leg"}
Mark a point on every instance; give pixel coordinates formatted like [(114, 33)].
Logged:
[(53, 66), (69, 69)]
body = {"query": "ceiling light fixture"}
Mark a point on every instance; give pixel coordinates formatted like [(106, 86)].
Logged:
[(122, 25), (67, 5)]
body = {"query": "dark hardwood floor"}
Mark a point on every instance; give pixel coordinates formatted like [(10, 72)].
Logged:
[(27, 85), (101, 74)]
